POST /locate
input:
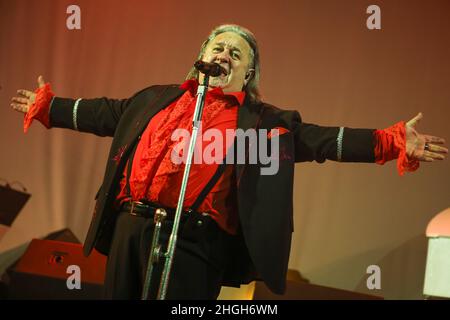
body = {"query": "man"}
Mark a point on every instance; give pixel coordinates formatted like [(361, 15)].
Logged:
[(245, 230)]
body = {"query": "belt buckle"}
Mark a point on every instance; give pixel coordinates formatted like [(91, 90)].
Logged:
[(133, 205)]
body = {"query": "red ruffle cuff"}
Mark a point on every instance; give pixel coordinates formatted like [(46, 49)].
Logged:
[(39, 110), (391, 144)]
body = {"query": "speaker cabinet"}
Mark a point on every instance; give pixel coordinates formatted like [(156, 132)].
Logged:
[(54, 269)]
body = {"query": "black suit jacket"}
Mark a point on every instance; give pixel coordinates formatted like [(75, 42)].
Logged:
[(265, 202)]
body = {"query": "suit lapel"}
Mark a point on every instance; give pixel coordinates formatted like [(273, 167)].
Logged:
[(249, 116)]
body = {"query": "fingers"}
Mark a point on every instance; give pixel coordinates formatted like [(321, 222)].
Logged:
[(434, 150), (433, 139), (433, 155), (414, 121), (437, 149), (26, 98), (20, 104), (40, 81), (25, 93), (20, 107), (427, 157), (20, 100)]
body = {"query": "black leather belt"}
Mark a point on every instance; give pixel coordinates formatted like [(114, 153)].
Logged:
[(193, 225), (146, 210)]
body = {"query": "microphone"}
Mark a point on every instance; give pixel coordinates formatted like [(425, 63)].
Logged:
[(211, 69)]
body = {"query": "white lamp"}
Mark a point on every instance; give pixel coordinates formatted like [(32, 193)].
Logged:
[(437, 273)]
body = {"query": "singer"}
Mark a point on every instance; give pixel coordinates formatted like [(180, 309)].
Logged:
[(237, 223)]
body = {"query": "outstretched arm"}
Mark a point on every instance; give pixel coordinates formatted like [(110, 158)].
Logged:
[(98, 116), (401, 141)]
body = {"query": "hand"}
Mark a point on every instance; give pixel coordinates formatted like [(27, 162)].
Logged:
[(26, 98), (422, 147)]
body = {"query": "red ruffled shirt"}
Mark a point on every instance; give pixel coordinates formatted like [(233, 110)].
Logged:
[(156, 178)]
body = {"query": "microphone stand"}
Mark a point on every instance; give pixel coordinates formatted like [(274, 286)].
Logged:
[(155, 252)]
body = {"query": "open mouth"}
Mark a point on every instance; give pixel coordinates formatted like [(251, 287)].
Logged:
[(222, 76), (226, 69)]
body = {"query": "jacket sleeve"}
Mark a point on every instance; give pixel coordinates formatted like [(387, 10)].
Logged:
[(318, 143), (98, 116)]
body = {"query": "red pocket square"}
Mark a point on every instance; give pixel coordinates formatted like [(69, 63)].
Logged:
[(274, 133)]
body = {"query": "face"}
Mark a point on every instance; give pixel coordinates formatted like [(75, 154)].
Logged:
[(232, 52)]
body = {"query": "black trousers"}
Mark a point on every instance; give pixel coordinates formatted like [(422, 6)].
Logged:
[(200, 258)]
